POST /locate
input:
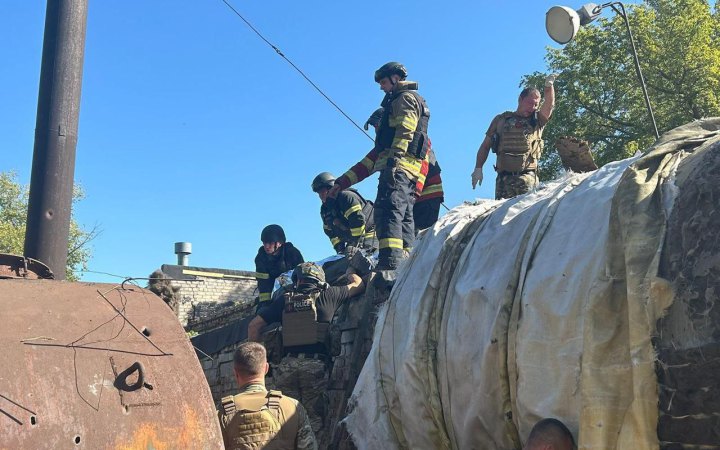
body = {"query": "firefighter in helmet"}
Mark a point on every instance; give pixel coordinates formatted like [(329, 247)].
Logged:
[(430, 195), (400, 150), (516, 137), (275, 257), (347, 219)]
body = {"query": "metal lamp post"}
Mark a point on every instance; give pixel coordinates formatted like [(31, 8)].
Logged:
[(562, 24)]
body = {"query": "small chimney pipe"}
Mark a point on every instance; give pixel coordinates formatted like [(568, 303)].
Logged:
[(182, 250)]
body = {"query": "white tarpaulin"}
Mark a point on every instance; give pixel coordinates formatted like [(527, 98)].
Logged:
[(539, 306)]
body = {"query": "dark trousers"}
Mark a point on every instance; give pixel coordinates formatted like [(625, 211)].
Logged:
[(426, 213), (394, 224)]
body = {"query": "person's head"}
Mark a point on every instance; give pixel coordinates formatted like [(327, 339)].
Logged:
[(250, 363), (389, 74), (322, 184), (528, 101), (375, 119), (550, 434), (308, 277), (272, 237)]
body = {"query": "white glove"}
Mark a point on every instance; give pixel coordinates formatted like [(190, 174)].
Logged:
[(550, 80), (477, 177)]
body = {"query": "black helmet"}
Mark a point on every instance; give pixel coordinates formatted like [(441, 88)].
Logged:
[(272, 233), (323, 180), (374, 118), (391, 68), (309, 275)]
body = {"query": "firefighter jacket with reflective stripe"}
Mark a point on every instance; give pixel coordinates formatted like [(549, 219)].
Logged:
[(347, 218), (519, 141), (259, 419), (269, 267), (401, 139), (433, 187)]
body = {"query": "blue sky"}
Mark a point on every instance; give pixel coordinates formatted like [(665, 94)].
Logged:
[(193, 129)]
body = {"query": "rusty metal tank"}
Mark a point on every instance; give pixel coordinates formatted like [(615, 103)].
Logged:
[(98, 366)]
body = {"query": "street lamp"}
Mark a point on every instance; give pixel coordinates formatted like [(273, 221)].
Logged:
[(562, 24)]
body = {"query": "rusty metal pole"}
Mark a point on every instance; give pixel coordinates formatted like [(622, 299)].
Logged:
[(53, 168)]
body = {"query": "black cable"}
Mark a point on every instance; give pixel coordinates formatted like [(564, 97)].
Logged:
[(102, 273), (277, 50)]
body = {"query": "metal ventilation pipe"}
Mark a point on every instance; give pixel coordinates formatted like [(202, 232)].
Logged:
[(56, 134), (182, 250)]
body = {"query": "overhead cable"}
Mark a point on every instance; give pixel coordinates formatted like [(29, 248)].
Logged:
[(279, 52)]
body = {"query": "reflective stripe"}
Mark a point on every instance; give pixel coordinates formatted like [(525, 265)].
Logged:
[(368, 163), (334, 241), (421, 179), (431, 189), (407, 121), (370, 234), (356, 232), (264, 296), (262, 276), (351, 176), (412, 165), (382, 160), (391, 243), (401, 143), (351, 210)]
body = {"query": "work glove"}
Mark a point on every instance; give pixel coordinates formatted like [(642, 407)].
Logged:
[(477, 177), (550, 79)]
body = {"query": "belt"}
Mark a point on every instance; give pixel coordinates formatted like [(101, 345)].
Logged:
[(522, 172)]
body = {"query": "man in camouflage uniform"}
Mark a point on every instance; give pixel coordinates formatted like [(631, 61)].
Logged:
[(399, 154), (516, 137), (257, 418)]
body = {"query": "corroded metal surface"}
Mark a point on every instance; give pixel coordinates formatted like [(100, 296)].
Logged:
[(15, 266), (96, 366)]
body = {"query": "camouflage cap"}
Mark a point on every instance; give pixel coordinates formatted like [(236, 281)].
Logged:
[(308, 273)]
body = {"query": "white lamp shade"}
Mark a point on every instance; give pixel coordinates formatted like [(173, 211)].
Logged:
[(562, 24)]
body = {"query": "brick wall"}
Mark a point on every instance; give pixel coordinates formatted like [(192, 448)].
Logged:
[(219, 373), (206, 292)]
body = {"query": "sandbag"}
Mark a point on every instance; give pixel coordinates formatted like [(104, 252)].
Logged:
[(575, 154)]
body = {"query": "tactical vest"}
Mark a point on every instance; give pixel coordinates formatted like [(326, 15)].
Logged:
[(419, 145), (367, 210), (259, 420), (520, 143), (299, 320)]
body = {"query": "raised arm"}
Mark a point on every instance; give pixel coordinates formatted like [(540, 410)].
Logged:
[(549, 97)]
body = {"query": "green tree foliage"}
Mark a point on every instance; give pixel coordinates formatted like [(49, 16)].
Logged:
[(598, 93), (13, 218)]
